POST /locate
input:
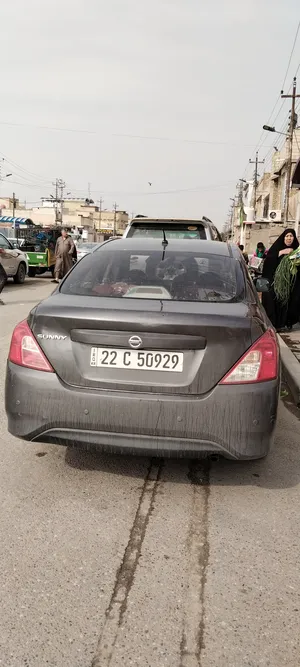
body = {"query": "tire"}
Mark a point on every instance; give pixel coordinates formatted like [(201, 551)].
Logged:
[(20, 276), (31, 272)]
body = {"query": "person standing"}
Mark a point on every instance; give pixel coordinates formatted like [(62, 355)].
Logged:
[(64, 251), (281, 315), (261, 251), (51, 259), (242, 249), (3, 279)]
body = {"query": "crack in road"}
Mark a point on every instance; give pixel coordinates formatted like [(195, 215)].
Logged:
[(125, 575), (192, 641)]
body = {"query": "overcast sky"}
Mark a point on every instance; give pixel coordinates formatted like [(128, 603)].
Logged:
[(192, 82)]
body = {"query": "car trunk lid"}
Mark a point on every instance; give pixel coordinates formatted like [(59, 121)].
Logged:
[(210, 337)]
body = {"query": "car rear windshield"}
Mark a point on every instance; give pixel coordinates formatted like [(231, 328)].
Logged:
[(177, 276), (178, 230)]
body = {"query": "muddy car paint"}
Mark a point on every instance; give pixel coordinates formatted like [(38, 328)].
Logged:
[(189, 414)]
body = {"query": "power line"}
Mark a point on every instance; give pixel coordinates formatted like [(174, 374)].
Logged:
[(281, 140), (162, 192), (130, 136), (259, 144), (18, 166), (195, 189), (184, 141), (47, 127), (28, 185), (291, 55), (30, 182)]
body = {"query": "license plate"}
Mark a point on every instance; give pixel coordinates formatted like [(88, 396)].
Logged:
[(137, 360)]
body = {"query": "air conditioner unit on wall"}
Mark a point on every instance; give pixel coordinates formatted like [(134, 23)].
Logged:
[(274, 216)]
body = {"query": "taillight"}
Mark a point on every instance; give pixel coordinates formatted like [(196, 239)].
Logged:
[(259, 364), (25, 351)]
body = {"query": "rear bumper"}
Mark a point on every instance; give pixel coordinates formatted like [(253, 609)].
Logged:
[(237, 422)]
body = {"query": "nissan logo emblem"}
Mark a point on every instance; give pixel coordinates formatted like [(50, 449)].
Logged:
[(135, 342)]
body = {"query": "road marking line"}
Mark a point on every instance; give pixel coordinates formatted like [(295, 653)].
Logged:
[(192, 641), (125, 576)]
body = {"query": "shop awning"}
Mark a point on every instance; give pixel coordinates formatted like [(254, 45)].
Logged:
[(17, 222)]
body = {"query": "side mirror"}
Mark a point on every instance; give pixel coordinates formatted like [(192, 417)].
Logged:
[(262, 285)]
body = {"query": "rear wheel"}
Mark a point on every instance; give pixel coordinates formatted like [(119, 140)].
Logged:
[(20, 276), (31, 272)]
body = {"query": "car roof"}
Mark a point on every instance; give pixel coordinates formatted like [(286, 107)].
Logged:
[(195, 221), (176, 245)]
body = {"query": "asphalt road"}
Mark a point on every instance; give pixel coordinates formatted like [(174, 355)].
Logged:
[(121, 562)]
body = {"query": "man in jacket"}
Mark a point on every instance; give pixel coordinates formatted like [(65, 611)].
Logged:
[(246, 258), (64, 250), (3, 279)]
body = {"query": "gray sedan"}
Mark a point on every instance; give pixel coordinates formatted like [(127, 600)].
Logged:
[(149, 346)]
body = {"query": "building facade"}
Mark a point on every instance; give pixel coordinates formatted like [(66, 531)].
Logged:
[(263, 218), (77, 213)]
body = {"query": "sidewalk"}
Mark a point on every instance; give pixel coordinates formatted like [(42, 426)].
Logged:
[(290, 359)]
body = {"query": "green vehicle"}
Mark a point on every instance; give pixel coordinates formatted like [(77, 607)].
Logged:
[(39, 247), (38, 262), (37, 242), (39, 255)]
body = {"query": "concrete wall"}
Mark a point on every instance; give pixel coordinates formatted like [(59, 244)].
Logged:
[(106, 223), (267, 233)]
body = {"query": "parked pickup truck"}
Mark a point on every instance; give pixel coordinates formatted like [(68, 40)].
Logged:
[(40, 258)]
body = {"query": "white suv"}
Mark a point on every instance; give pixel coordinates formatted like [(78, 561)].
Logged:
[(141, 226), (13, 260)]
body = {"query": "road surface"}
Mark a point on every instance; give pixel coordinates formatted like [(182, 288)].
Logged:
[(121, 562)]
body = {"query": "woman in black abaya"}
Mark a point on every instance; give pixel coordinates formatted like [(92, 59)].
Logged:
[(288, 314)]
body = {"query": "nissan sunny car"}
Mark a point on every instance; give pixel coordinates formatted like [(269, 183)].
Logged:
[(149, 346)]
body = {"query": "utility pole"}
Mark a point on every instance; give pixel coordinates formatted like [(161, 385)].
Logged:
[(290, 135), (13, 205), (100, 212), (56, 200), (100, 219), (256, 162), (231, 218), (240, 186), (13, 212), (13, 215), (115, 206), (59, 199), (61, 186)]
